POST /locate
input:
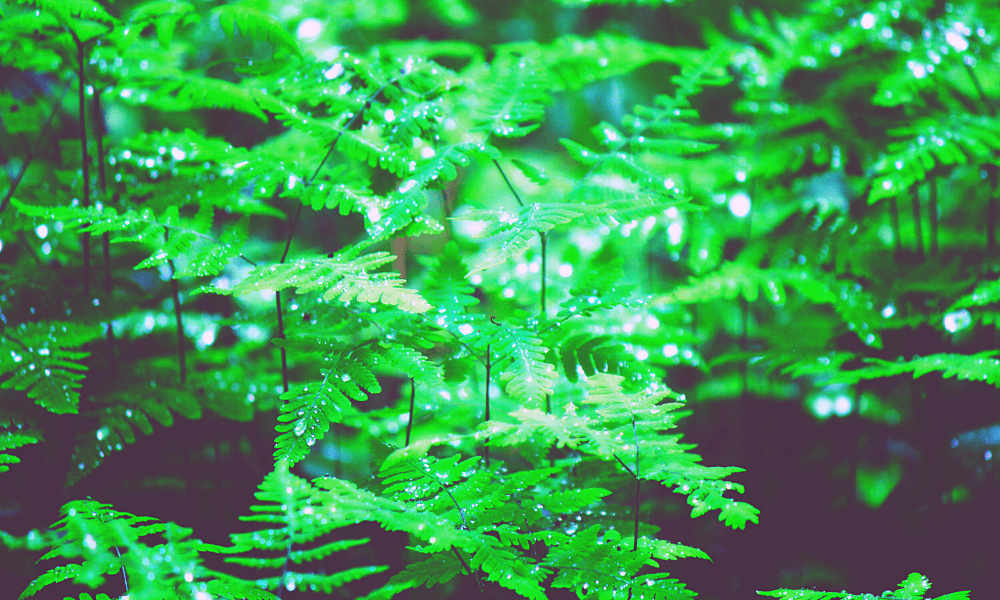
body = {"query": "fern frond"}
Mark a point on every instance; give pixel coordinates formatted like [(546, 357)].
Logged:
[(574, 61), (955, 140), (256, 25), (53, 575), (145, 227), (183, 92), (292, 517), (519, 355), (588, 355), (67, 10), (969, 367), (40, 360), (514, 231), (116, 423), (412, 363), (164, 15), (986, 292), (438, 568), (807, 595), (510, 569), (343, 276), (309, 409), (15, 439), (513, 103), (405, 203)]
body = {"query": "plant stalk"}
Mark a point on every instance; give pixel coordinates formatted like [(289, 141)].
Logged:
[(544, 237), (174, 291), (85, 158), (277, 300), (894, 219), (102, 180), (413, 398), (932, 210), (918, 231), (486, 449)]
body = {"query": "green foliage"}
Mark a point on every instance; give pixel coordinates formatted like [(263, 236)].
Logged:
[(292, 520), (912, 588), (480, 359)]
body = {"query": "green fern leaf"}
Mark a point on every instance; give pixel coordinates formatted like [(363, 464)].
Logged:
[(969, 367), (953, 141), (291, 518), (575, 61), (116, 423), (53, 575), (164, 15), (513, 232), (15, 439), (68, 10), (39, 358), (256, 25), (513, 103), (309, 409), (412, 363), (184, 92), (807, 595), (438, 568), (520, 356), (343, 276)]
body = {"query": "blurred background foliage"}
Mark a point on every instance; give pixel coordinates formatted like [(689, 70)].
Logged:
[(848, 217)]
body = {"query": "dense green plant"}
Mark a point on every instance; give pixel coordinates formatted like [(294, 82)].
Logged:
[(509, 408)]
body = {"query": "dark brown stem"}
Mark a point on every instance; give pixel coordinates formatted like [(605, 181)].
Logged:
[(277, 299), (85, 157), (979, 89), (486, 449), (177, 314), (991, 205), (544, 237), (918, 231), (894, 218), (281, 335), (991, 209), (932, 210), (510, 186), (413, 398), (106, 238)]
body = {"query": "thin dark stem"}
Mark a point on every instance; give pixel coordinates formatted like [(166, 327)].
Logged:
[(413, 398), (486, 450), (918, 230), (932, 210), (991, 206), (85, 157), (465, 566), (894, 218), (991, 209), (544, 237), (32, 152), (106, 238), (506, 180), (277, 299), (979, 89), (177, 315), (281, 334), (338, 442), (635, 475)]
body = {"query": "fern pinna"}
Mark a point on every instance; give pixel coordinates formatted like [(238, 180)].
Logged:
[(460, 339)]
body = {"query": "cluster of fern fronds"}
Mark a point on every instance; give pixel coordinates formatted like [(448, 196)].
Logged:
[(528, 361)]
